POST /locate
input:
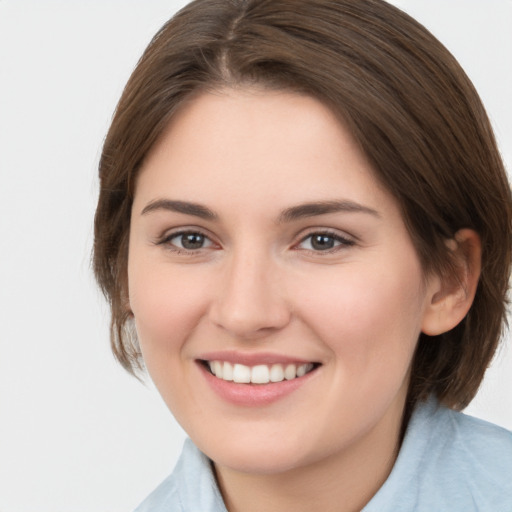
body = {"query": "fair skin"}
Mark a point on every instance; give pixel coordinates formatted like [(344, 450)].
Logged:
[(227, 264)]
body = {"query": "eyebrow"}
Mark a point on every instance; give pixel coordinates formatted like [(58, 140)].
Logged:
[(288, 215), (197, 210), (324, 207)]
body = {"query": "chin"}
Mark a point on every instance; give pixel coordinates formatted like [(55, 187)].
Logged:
[(256, 462), (259, 455)]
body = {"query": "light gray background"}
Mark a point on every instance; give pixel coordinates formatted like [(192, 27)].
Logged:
[(77, 433)]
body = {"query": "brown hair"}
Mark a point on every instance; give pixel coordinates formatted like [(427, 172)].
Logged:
[(405, 99)]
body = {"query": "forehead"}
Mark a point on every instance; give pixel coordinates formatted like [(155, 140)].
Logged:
[(255, 144)]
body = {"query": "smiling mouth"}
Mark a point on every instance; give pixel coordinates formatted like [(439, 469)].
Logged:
[(258, 374)]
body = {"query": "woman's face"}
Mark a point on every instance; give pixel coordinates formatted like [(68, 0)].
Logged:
[(262, 245)]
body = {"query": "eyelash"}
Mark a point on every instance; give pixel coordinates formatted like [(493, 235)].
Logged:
[(166, 240), (343, 242)]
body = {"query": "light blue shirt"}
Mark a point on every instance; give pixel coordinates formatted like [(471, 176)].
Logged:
[(448, 462)]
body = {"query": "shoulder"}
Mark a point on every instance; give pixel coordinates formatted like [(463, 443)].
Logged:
[(191, 486), (482, 446), (449, 461)]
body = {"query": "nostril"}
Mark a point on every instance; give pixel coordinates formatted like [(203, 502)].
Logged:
[(249, 303), (250, 321)]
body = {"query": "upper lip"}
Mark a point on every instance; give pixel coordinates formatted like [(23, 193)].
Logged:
[(252, 358)]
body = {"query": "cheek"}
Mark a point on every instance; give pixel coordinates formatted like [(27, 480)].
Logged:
[(167, 303), (366, 316)]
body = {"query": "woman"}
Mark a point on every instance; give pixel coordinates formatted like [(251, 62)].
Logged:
[(304, 233)]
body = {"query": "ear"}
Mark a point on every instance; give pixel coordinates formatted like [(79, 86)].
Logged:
[(451, 296)]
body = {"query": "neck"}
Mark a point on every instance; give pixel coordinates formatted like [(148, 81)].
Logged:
[(342, 482)]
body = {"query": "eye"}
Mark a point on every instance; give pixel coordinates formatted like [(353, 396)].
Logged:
[(188, 240), (324, 242)]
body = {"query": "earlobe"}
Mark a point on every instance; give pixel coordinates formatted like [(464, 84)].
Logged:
[(451, 296)]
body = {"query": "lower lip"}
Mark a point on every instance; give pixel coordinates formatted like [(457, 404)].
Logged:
[(253, 395)]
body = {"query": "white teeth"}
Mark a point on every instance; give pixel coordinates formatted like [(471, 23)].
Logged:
[(259, 374), (227, 371), (217, 369), (241, 374), (303, 369), (290, 372), (276, 373)]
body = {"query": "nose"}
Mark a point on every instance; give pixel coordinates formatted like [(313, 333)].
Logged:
[(250, 302)]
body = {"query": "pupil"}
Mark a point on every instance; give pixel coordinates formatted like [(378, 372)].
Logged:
[(192, 241), (322, 242)]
